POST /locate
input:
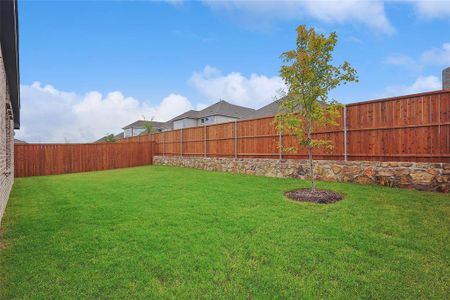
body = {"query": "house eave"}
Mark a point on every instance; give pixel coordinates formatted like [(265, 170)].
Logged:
[(10, 53)]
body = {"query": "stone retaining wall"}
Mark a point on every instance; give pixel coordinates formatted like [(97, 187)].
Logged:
[(419, 176)]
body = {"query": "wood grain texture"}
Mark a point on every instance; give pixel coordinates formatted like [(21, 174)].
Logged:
[(50, 159), (407, 128)]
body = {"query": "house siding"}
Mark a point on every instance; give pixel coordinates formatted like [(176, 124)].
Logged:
[(6, 141), (129, 132), (217, 119), (187, 122), (223, 119), (184, 123)]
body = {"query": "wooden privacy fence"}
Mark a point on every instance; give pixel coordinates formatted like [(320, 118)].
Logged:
[(408, 128), (49, 159)]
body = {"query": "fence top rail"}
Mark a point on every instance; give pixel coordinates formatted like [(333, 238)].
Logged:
[(77, 144), (388, 99)]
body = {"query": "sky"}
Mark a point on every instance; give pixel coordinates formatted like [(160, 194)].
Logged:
[(88, 68)]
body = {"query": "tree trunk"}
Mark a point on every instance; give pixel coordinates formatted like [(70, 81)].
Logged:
[(311, 170), (310, 157)]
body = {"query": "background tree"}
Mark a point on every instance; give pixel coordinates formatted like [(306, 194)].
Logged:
[(109, 138), (309, 76), (148, 126)]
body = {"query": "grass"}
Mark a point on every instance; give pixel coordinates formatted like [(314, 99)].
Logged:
[(166, 232)]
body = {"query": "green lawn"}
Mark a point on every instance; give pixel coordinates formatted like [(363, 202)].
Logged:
[(166, 232)]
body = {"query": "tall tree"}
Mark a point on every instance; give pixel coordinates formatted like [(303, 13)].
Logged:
[(309, 76)]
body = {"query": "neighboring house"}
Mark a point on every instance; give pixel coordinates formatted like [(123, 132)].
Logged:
[(136, 128), (9, 96), (219, 112), (17, 141)]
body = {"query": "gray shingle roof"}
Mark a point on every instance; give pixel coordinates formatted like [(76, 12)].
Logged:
[(222, 108), (192, 114), (119, 136), (225, 109), (17, 141), (269, 110), (140, 124)]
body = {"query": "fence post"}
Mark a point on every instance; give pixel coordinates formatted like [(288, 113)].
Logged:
[(152, 152), (280, 146), (164, 143), (204, 140), (181, 141), (439, 115), (152, 142), (345, 132), (235, 140)]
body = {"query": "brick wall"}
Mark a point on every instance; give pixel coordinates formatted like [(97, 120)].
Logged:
[(419, 176), (6, 142)]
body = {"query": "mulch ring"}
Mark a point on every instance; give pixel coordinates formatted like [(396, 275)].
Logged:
[(319, 196)]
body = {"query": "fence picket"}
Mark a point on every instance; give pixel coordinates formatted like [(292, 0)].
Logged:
[(406, 128), (50, 159)]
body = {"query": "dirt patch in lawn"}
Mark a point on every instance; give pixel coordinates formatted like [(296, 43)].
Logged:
[(319, 196), (3, 244)]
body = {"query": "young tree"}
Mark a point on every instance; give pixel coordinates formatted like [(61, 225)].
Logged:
[(309, 76)]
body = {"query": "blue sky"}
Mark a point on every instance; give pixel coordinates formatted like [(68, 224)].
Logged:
[(89, 68)]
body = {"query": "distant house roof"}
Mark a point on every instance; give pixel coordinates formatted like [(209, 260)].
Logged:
[(269, 110), (192, 114), (118, 136), (222, 108), (140, 124), (17, 141)]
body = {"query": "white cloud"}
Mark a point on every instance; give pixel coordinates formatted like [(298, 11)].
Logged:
[(422, 84), (369, 13), (51, 115), (432, 9), (400, 60), (437, 56), (253, 91), (431, 57)]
